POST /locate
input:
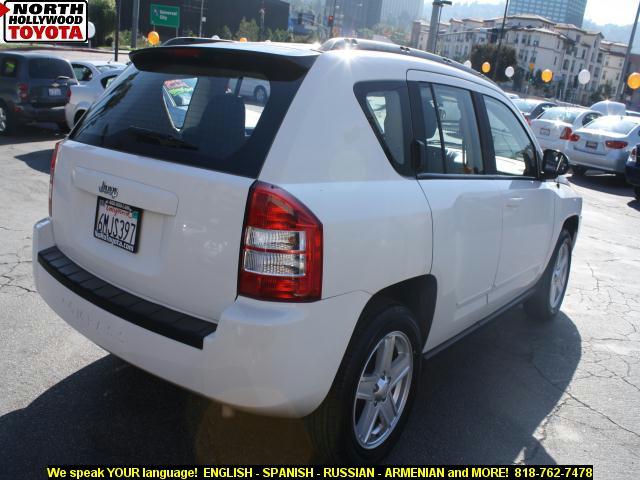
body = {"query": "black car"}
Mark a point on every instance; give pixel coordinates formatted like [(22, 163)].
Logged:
[(632, 171), (33, 88)]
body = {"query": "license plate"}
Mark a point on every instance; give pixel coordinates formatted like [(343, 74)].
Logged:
[(118, 224), (545, 131), (593, 145), (55, 92)]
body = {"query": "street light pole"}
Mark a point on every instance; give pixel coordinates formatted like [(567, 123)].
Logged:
[(134, 24), (434, 26), (117, 39), (201, 15), (627, 57), (496, 55)]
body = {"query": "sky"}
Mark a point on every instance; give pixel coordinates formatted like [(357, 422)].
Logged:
[(618, 12)]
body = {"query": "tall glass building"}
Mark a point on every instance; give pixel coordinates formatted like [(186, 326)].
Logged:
[(560, 11)]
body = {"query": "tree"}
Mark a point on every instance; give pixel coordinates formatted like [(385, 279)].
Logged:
[(225, 33), (103, 15), (249, 30), (486, 52)]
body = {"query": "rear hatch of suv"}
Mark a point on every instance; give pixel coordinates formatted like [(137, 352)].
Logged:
[(49, 81), (151, 187)]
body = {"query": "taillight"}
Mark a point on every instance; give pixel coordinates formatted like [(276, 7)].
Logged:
[(23, 91), (528, 120), (52, 171), (574, 137), (69, 93), (634, 155), (616, 144), (566, 133), (281, 254)]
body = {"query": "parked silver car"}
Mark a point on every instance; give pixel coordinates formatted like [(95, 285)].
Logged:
[(605, 144), (554, 127), (82, 96)]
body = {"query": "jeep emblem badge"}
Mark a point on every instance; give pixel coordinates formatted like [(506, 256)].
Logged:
[(108, 190)]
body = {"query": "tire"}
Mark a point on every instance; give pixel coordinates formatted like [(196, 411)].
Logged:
[(260, 94), (332, 427), (545, 303), (578, 171), (6, 120), (636, 191), (63, 127)]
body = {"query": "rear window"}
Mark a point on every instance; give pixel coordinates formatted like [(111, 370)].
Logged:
[(49, 68), (566, 116), (205, 120), (613, 124)]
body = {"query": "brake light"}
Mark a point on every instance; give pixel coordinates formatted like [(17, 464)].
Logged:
[(69, 93), (574, 137), (23, 91), (281, 253), (616, 144), (566, 133), (52, 171)]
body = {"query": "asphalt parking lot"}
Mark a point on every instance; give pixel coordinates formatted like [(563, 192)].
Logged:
[(515, 391)]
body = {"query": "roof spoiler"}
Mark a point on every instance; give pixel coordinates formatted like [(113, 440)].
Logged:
[(200, 59)]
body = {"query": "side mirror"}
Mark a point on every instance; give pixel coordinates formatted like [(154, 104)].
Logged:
[(554, 164)]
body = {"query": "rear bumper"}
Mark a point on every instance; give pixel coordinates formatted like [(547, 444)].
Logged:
[(267, 357), (614, 163), (632, 171), (28, 113)]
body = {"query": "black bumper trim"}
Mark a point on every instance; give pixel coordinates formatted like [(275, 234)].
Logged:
[(151, 316)]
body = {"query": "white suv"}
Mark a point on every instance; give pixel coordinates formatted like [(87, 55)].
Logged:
[(299, 258)]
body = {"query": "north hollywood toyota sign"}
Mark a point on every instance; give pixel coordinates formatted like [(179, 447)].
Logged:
[(49, 21)]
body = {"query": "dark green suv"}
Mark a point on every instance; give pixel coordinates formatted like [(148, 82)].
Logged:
[(33, 88)]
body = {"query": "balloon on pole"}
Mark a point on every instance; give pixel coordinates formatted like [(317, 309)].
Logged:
[(91, 30), (509, 72), (547, 75), (467, 63), (584, 77), (634, 81), (486, 67), (153, 38)]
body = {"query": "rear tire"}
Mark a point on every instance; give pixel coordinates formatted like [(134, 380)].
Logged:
[(6, 120), (370, 395), (545, 303)]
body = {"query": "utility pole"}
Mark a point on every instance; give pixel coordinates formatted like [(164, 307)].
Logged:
[(134, 24), (117, 39), (627, 57), (333, 17), (497, 54), (434, 25), (201, 15)]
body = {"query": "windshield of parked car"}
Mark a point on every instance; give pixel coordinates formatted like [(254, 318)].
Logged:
[(49, 68), (559, 114), (613, 124), (525, 106)]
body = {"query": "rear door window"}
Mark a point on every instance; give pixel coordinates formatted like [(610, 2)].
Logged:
[(202, 120), (49, 68)]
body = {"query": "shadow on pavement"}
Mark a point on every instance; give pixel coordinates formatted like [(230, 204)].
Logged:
[(39, 160), (33, 133), (479, 401), (603, 182)]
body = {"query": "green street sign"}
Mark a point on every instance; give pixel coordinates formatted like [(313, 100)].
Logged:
[(165, 16)]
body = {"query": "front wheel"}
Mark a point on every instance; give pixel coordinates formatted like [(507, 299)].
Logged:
[(368, 404), (547, 300), (6, 120), (578, 171)]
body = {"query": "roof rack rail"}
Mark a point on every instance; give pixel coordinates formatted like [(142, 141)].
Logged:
[(343, 43), (192, 41)]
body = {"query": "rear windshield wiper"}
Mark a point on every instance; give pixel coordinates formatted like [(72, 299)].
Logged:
[(164, 139)]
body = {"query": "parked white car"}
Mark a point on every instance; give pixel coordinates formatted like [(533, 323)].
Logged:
[(85, 70), (301, 266), (608, 107), (554, 127), (605, 144), (82, 96)]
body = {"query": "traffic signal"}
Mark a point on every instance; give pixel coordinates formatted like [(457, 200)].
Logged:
[(330, 21)]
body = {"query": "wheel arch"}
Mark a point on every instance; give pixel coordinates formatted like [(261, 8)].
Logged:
[(571, 224), (418, 294)]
